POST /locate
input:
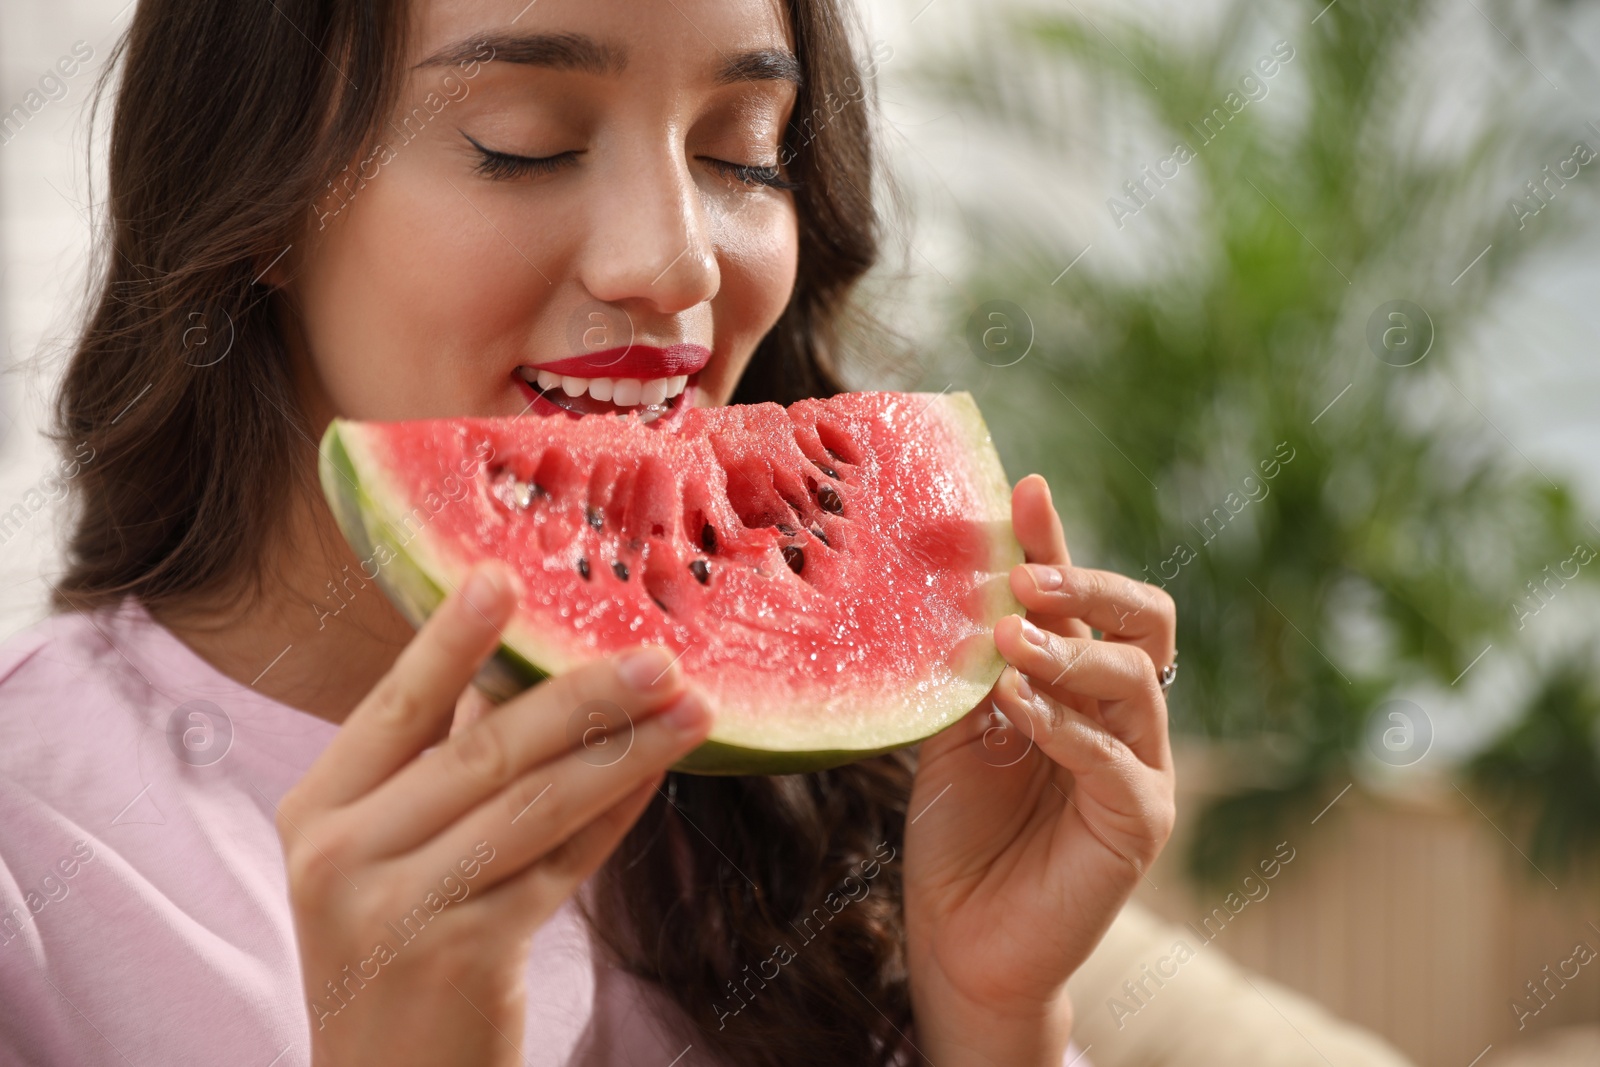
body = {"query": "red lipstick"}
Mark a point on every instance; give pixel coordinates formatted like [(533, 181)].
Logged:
[(635, 361)]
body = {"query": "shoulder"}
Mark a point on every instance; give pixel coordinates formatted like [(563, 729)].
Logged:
[(64, 671), (73, 707), (58, 672), (21, 648)]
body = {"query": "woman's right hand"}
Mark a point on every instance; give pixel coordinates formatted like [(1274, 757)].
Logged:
[(418, 880)]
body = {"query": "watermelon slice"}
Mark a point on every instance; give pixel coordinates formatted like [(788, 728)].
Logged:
[(830, 573)]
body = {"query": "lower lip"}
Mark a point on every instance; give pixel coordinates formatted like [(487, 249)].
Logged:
[(540, 404)]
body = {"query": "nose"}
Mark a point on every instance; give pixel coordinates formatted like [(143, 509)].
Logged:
[(649, 244)]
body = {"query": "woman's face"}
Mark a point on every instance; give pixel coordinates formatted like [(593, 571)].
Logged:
[(583, 192)]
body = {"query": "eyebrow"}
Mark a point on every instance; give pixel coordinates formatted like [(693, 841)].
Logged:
[(579, 52), (557, 51), (761, 64)]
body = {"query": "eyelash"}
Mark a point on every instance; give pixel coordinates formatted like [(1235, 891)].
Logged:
[(753, 176), (504, 166)]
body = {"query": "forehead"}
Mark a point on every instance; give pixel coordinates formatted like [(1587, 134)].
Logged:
[(714, 37)]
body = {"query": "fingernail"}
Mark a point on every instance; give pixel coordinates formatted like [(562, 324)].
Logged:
[(645, 668), (687, 715), (1046, 578), (1020, 683), (485, 588), (1034, 634)]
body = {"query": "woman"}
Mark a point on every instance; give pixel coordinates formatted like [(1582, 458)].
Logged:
[(264, 821)]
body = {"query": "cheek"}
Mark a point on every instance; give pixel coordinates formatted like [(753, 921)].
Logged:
[(413, 305), (758, 261)]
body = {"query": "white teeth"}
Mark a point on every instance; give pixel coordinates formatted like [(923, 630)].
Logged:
[(623, 392), (653, 392), (626, 392)]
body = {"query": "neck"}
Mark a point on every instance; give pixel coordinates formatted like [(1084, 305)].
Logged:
[(317, 635)]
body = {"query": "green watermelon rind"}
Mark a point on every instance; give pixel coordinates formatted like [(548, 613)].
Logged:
[(367, 523), (403, 578)]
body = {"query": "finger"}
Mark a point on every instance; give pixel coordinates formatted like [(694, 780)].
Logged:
[(539, 890), (471, 706), (1125, 610), (985, 734), (1127, 804), (1036, 524), (1068, 738), (533, 728), (1038, 531), (540, 811), (1121, 678), (411, 706)]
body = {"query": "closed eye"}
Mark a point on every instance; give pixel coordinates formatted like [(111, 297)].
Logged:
[(506, 166), (770, 177)]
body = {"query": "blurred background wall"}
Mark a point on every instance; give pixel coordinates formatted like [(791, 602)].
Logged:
[(1296, 306)]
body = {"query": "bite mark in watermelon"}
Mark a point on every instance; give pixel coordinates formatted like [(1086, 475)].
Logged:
[(829, 573)]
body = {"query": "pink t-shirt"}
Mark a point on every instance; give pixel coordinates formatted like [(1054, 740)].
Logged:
[(143, 912)]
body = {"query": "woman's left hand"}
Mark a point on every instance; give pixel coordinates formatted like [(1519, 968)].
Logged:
[(1027, 836)]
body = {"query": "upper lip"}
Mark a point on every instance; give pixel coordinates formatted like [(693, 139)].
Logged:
[(634, 361)]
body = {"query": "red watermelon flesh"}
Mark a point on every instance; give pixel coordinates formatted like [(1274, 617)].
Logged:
[(829, 573)]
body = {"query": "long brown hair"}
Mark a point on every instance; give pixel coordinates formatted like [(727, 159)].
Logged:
[(768, 909)]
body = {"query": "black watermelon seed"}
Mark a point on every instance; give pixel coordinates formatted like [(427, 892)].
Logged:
[(825, 469), (829, 498), (816, 531), (708, 538), (832, 454), (537, 491), (659, 604), (595, 517), (620, 569), (583, 568), (701, 570), (794, 557), (785, 528)]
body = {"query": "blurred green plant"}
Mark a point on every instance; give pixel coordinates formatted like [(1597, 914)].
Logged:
[(1233, 422), (1544, 769)]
